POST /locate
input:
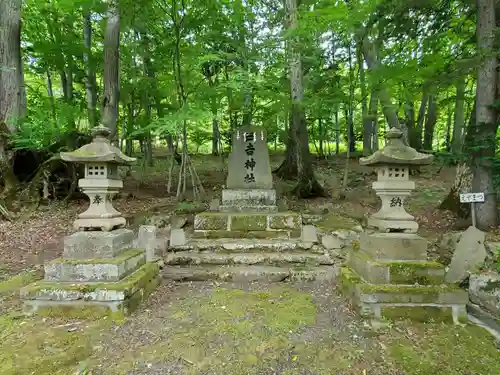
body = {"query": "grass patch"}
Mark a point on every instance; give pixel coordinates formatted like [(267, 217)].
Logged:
[(446, 350), (33, 346), (16, 282)]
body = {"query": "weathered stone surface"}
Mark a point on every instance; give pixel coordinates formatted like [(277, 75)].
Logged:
[(452, 314), (485, 319), (469, 253), (211, 221), (309, 234), (409, 273), (104, 269), (147, 240), (92, 245), (288, 220), (492, 248), (394, 246), (484, 290), (261, 234), (250, 273), (249, 166), (248, 222), (123, 296), (311, 219), (214, 205), (177, 237), (331, 242), (434, 294), (248, 197), (276, 258)]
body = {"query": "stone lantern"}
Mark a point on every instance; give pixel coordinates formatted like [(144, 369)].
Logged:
[(389, 276), (101, 182), (393, 183)]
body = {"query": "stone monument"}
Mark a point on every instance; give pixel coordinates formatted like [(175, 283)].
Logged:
[(249, 185), (99, 269), (389, 276)]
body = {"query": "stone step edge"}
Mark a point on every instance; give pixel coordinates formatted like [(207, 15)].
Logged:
[(123, 257), (248, 258), (247, 248), (457, 312), (98, 291), (249, 273)]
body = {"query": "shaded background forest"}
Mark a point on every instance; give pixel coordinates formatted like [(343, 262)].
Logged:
[(323, 77)]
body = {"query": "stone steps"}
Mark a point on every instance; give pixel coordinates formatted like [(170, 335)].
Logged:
[(246, 245), (260, 258), (249, 273)]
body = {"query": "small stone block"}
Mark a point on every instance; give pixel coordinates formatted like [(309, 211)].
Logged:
[(94, 244), (177, 237), (248, 222), (443, 314), (146, 239), (309, 234), (214, 205), (211, 221), (331, 242), (394, 246), (284, 220), (248, 209), (122, 296), (100, 270)]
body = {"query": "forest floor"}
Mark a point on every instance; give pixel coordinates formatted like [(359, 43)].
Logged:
[(228, 328)]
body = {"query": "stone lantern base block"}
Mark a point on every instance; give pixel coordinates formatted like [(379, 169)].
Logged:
[(94, 270), (96, 244), (89, 299), (442, 303), (394, 246), (103, 224), (384, 225)]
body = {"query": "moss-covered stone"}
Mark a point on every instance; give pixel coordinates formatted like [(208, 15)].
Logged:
[(349, 282), (248, 222), (126, 287), (211, 221), (116, 260), (423, 273), (418, 313), (88, 312), (285, 220), (333, 222), (257, 234)]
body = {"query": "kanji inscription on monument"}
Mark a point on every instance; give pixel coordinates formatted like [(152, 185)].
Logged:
[(249, 166)]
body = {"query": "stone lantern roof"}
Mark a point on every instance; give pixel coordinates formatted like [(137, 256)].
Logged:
[(100, 150), (396, 152)]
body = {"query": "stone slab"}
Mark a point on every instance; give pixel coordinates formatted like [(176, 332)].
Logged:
[(248, 165), (248, 197), (96, 244), (263, 234), (489, 320), (273, 258), (246, 221), (248, 208), (250, 273), (394, 246), (99, 270), (469, 253), (147, 240), (102, 291), (396, 272), (177, 237), (388, 226), (309, 234)]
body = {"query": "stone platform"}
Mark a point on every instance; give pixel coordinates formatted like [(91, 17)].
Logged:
[(389, 277), (99, 273), (248, 200)]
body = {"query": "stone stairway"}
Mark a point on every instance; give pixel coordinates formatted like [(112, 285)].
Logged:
[(285, 255)]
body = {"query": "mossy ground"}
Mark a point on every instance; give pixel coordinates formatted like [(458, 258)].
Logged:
[(238, 329)]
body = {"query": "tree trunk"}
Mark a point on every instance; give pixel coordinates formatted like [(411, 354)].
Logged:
[(373, 115), (12, 94), (320, 136), (111, 68), (90, 76), (337, 133), (420, 122), (448, 128), (288, 168), (463, 176), (430, 123), (486, 117), (459, 119), (307, 185), (388, 108), (367, 121)]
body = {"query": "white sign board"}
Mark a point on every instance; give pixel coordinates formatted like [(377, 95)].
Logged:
[(472, 198)]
